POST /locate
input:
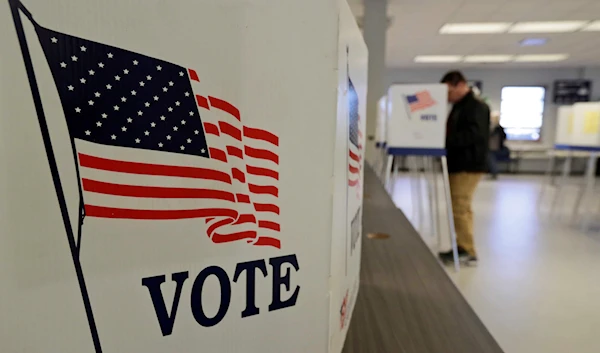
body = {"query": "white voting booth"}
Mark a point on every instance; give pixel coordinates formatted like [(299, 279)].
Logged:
[(586, 125), (417, 119), (379, 158), (167, 175), (416, 128), (564, 126), (577, 135), (380, 129)]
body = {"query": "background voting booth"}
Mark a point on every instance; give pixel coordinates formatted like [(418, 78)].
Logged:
[(164, 186), (416, 128), (577, 135), (379, 159)]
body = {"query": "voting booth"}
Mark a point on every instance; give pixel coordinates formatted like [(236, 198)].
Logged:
[(416, 130), (180, 176), (417, 119), (586, 125), (380, 129), (379, 157), (564, 126)]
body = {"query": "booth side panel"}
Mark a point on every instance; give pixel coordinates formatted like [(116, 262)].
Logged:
[(168, 182), (348, 176)]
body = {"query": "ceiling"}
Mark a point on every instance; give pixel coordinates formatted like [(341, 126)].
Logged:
[(416, 23)]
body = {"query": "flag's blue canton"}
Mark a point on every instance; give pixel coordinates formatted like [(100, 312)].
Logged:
[(116, 97), (412, 99), (353, 112)]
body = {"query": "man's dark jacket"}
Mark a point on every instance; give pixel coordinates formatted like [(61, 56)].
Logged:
[(467, 136)]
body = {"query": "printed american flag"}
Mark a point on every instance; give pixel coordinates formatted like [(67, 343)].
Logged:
[(355, 138), (419, 101), (144, 152)]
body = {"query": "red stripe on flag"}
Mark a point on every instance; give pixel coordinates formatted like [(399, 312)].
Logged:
[(261, 189), (353, 156), (217, 154), (202, 102), (124, 213), (268, 241), (259, 134), (265, 207), (212, 129), (353, 169), (262, 172), (353, 182), (269, 225), (193, 75), (242, 198), (224, 106), (245, 218), (154, 191), (238, 175), (227, 238), (151, 169), (234, 151), (261, 154), (230, 130)]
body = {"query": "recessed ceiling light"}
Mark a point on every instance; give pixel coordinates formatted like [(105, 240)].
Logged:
[(592, 27), (488, 58), (547, 27), (541, 58), (474, 28), (438, 58), (533, 42)]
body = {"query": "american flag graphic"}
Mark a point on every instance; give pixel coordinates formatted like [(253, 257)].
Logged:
[(355, 136), (419, 101), (150, 146)]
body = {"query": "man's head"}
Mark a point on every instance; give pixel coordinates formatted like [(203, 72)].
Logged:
[(457, 86)]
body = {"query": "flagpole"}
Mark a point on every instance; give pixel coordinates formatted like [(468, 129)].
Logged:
[(16, 6)]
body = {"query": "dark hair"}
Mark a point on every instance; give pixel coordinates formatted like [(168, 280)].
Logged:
[(453, 78)]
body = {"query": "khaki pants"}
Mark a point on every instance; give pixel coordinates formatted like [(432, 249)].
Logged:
[(462, 188)]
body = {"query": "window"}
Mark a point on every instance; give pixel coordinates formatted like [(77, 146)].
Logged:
[(522, 112)]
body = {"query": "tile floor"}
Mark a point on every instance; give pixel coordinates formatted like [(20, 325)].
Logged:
[(537, 285)]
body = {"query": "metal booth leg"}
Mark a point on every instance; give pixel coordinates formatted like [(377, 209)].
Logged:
[(431, 194), (562, 182), (387, 173), (590, 184), (450, 213), (550, 180), (437, 202)]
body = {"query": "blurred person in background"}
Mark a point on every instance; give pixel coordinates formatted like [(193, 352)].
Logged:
[(467, 140), (498, 151)]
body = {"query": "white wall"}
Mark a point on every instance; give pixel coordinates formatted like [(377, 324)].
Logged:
[(494, 79)]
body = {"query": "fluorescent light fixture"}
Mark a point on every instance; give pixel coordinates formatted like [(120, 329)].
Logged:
[(438, 58), (488, 58), (533, 42), (547, 27), (592, 27), (536, 58), (475, 28)]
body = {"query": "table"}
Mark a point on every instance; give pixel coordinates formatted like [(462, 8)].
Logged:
[(406, 301)]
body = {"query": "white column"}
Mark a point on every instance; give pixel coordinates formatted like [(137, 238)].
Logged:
[(374, 31)]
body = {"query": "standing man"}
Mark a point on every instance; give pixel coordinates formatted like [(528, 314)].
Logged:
[(467, 138)]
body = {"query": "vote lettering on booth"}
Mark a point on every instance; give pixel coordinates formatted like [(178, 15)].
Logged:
[(168, 189)]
